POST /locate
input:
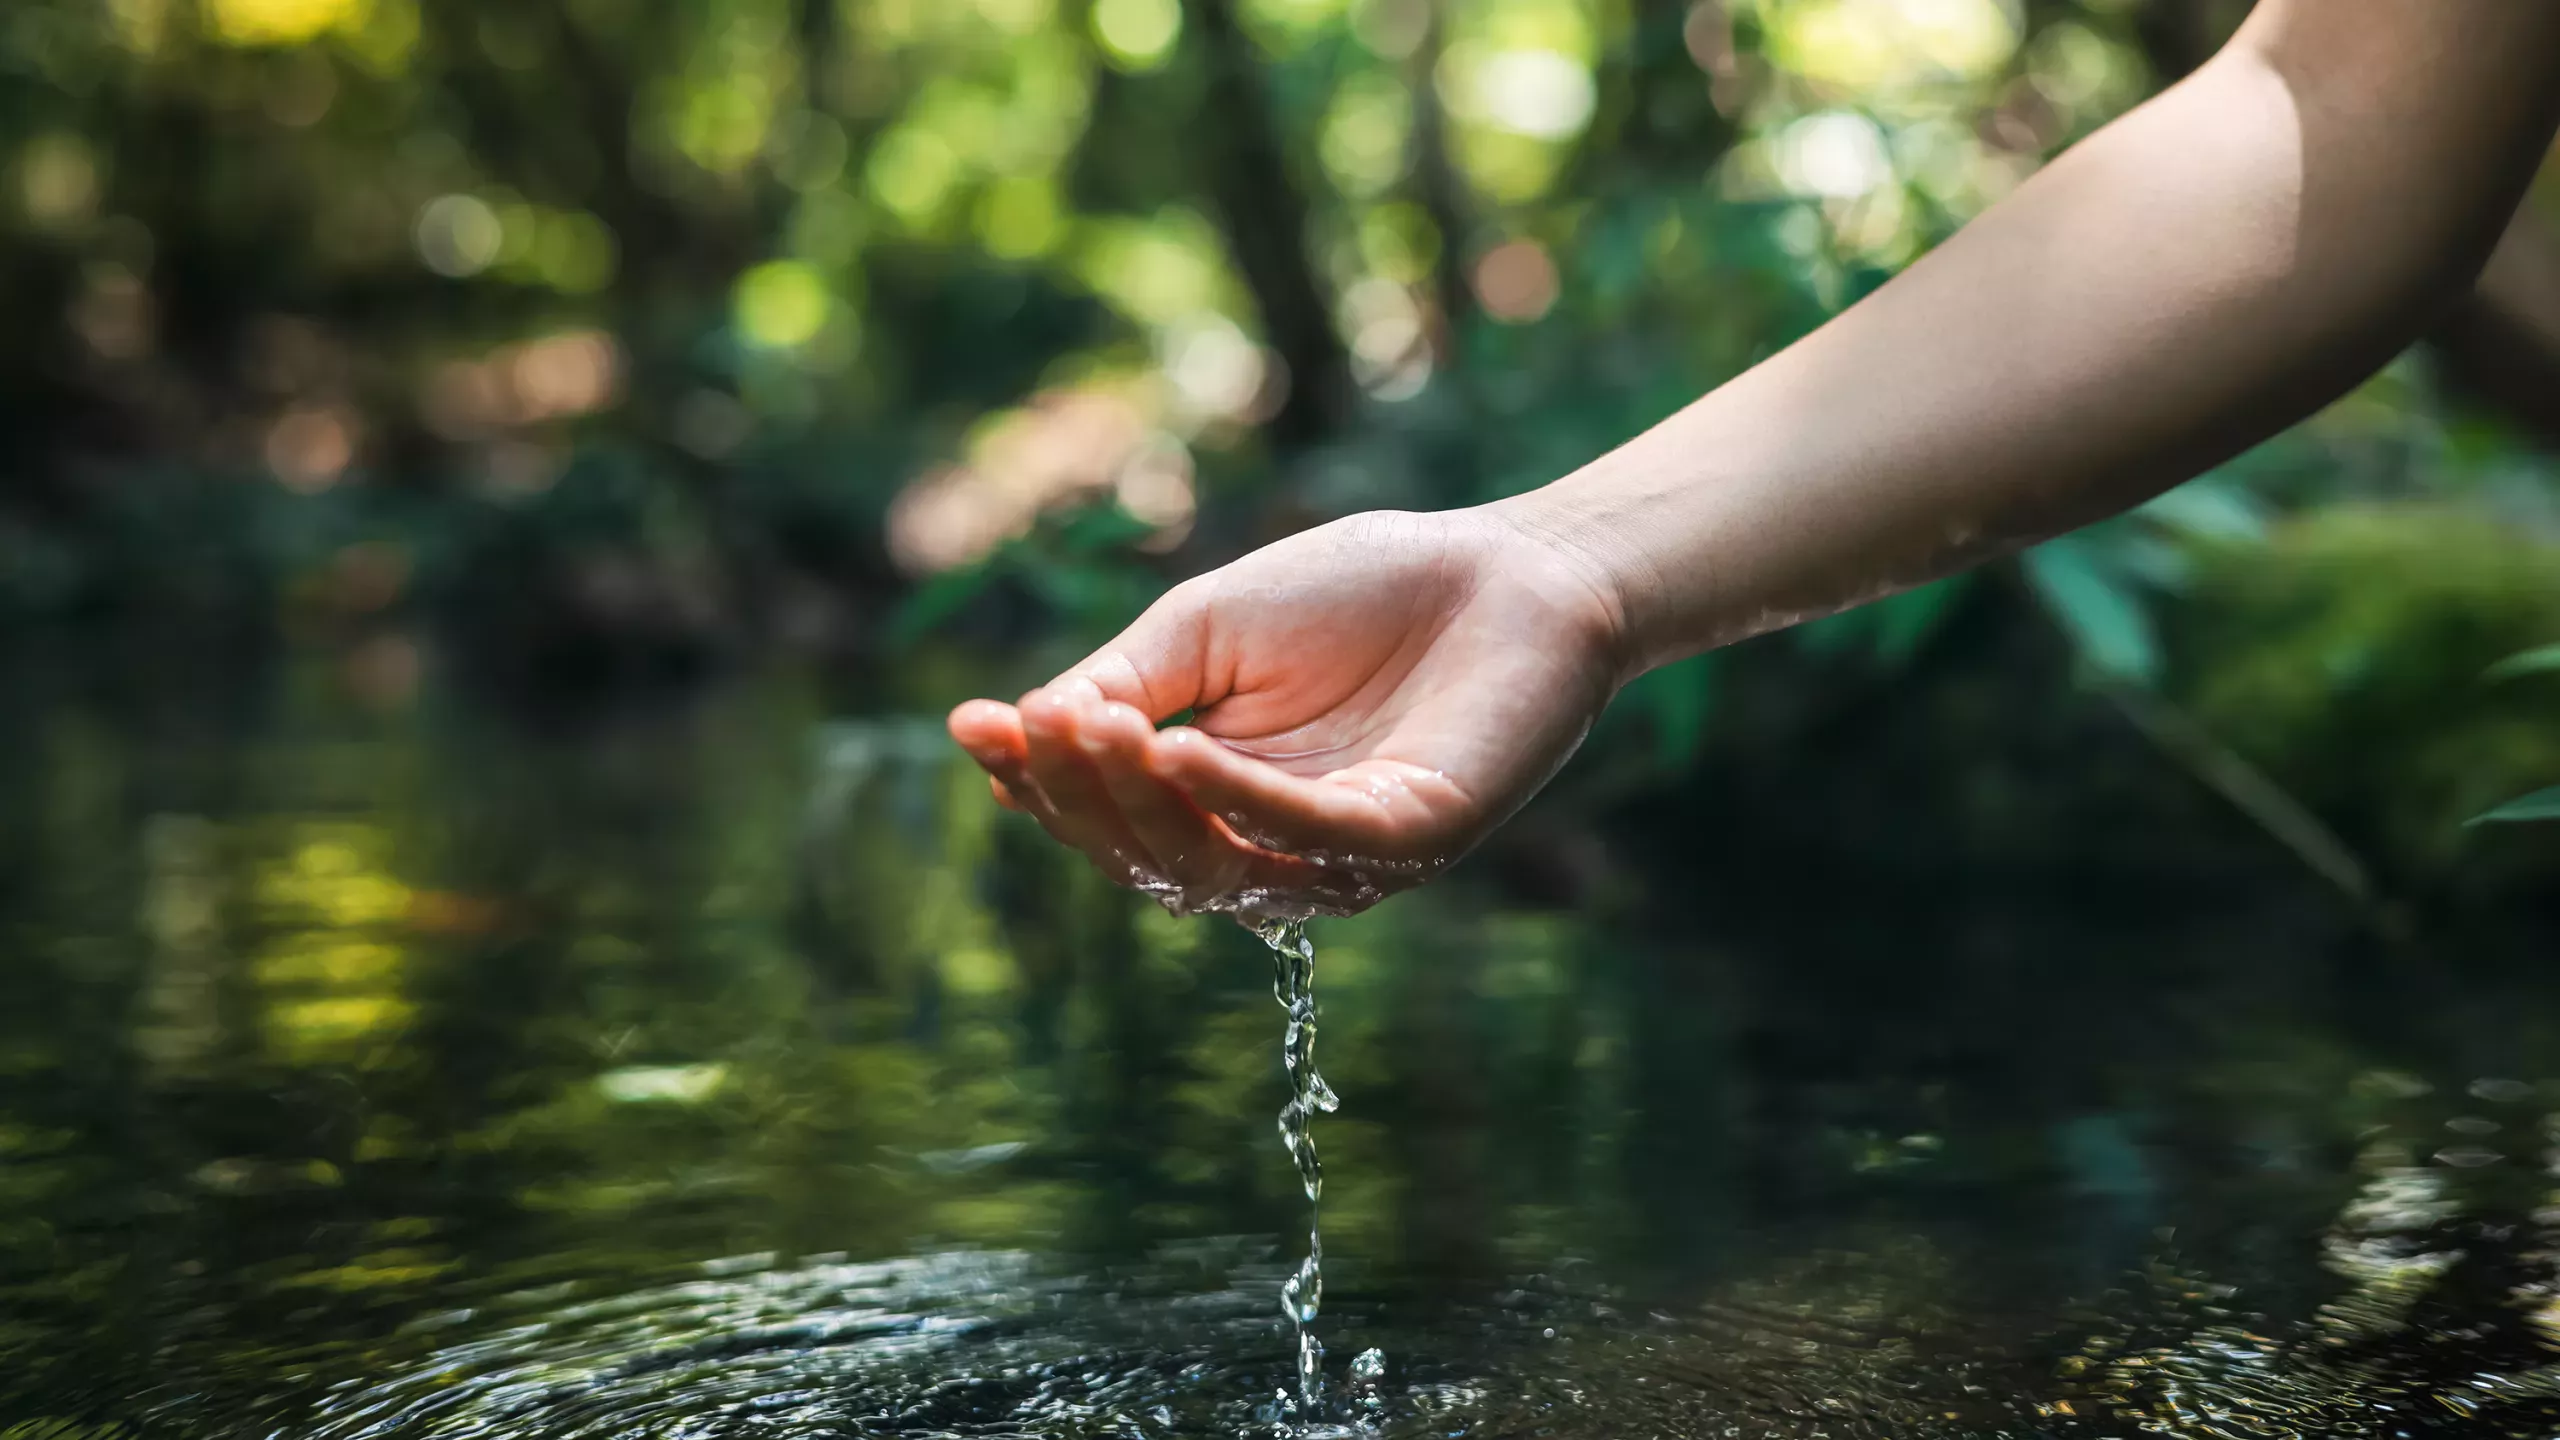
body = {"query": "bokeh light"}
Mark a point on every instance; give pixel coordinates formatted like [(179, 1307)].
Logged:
[(458, 235), (1543, 94), (1365, 140), (1216, 371), (1067, 447), (1867, 45), (1835, 155), (58, 180), (782, 304), (553, 377), (1390, 338), (114, 314), (1137, 35), (310, 447), (1158, 270), (1516, 281), (279, 22)]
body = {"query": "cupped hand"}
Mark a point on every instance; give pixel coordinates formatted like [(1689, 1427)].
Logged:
[(1368, 699)]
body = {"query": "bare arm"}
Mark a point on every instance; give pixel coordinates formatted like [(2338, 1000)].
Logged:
[(1372, 696), (2190, 280)]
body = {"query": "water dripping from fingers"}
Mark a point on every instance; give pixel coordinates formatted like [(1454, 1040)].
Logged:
[(1293, 956)]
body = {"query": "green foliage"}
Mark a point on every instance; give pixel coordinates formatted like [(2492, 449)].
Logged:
[(823, 248), (2096, 605), (1891, 630), (2345, 655), (2105, 585), (943, 335), (2540, 805), (2543, 661), (1673, 704)]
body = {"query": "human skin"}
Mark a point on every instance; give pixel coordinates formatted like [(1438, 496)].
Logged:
[(1371, 697)]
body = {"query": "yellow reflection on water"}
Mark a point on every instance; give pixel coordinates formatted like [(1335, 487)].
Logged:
[(329, 974)]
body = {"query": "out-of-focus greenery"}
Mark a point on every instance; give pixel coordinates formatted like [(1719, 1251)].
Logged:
[(587, 341)]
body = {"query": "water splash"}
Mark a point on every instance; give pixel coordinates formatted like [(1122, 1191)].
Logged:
[(1293, 960)]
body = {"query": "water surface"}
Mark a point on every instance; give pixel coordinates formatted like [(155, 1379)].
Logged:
[(730, 1068)]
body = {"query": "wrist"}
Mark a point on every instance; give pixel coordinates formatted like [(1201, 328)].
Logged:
[(1584, 546)]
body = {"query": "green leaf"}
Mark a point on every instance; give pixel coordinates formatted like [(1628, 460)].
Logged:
[(1102, 530), (2210, 508), (2540, 805), (2542, 661), (2104, 618), (938, 599)]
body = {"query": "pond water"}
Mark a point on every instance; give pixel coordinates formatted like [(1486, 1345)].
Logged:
[(734, 1070)]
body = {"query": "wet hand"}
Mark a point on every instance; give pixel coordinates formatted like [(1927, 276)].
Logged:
[(1368, 699)]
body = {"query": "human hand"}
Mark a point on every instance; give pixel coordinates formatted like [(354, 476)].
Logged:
[(1369, 699)]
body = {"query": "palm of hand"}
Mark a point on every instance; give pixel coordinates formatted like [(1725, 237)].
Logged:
[(1369, 699)]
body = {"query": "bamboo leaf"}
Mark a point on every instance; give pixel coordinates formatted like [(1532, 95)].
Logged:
[(2540, 805), (2542, 661), (2103, 617), (2211, 508)]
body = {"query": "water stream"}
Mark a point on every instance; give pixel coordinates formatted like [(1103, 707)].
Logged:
[(1293, 959)]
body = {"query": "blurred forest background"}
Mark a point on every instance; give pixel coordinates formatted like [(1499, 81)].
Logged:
[(496, 494), (591, 349)]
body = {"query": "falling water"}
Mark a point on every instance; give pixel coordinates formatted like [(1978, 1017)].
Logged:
[(1302, 1294)]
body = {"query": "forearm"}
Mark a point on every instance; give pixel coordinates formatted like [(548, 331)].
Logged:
[(2190, 280)]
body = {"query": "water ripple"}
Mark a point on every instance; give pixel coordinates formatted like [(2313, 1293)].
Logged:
[(1002, 1346)]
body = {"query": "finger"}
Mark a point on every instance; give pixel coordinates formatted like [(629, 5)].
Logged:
[(1213, 867), (1269, 806), (992, 734), (995, 736), (1186, 846), (990, 730), (1082, 812)]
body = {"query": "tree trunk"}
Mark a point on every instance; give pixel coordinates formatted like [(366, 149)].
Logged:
[(1263, 214)]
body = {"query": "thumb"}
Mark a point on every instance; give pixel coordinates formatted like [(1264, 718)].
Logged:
[(1160, 665)]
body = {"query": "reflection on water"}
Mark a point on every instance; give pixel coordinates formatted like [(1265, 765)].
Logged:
[(735, 1071)]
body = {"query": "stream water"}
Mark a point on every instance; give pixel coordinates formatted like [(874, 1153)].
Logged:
[(1293, 958), (735, 1072)]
